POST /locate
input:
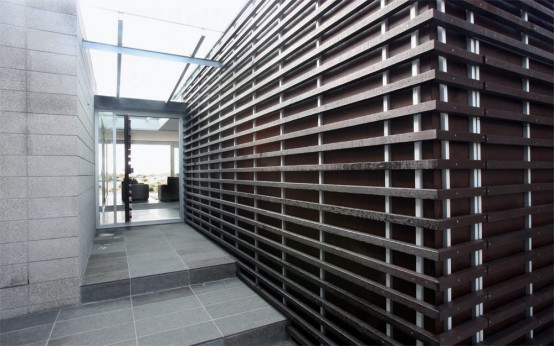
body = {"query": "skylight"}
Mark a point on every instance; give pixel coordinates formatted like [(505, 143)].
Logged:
[(167, 26)]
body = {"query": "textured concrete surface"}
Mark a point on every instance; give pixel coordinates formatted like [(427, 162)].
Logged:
[(46, 155)]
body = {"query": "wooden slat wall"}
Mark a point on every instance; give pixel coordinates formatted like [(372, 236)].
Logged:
[(382, 170)]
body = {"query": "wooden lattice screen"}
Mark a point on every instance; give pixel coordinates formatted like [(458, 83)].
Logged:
[(382, 170)]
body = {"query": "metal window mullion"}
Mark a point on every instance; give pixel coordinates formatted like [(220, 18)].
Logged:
[(387, 158), (114, 171), (475, 180), (527, 174)]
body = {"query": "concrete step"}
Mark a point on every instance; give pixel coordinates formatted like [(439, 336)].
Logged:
[(137, 260)]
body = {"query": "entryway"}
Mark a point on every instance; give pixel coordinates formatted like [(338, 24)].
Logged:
[(137, 168)]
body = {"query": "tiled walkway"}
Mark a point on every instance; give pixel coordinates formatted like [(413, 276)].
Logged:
[(139, 259), (181, 316)]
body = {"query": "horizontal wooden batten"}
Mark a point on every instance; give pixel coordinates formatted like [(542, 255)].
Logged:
[(382, 171)]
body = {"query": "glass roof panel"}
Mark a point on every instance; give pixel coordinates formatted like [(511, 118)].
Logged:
[(161, 36), (104, 65), (168, 26), (150, 79)]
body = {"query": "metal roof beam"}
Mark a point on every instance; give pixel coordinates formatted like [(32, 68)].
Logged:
[(149, 54), (186, 68), (119, 44)]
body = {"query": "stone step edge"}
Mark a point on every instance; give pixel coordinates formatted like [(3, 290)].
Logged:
[(265, 335), (152, 283)]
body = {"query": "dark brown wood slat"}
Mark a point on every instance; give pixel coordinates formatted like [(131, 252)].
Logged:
[(519, 329), (417, 22), (517, 236), (286, 20), (519, 282), (359, 236), (488, 35), (509, 262), (384, 140), (518, 306), (252, 201), (513, 213), (503, 90), (462, 249), (511, 189), (462, 304), (519, 117), (461, 332), (462, 277), (372, 286), (516, 69), (370, 118), (506, 164), (358, 166), (491, 11)]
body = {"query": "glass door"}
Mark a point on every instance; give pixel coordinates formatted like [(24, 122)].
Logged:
[(150, 190)]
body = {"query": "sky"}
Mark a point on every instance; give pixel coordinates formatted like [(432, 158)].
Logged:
[(170, 26)]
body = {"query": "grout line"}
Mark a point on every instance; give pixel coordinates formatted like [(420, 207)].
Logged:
[(175, 250), (53, 326), (234, 300), (118, 342), (210, 316), (169, 313), (18, 330), (172, 329), (98, 314), (226, 289), (242, 313), (130, 289), (92, 330), (134, 320)]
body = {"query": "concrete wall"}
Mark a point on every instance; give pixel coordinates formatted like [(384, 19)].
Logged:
[(46, 155)]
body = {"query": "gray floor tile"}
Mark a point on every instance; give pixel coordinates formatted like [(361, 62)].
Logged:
[(161, 296), (106, 255), (26, 336), (217, 285), (191, 245), (94, 308), (107, 240), (106, 268), (184, 336), (107, 262), (91, 279), (202, 255), (85, 324), (236, 306), (248, 320), (165, 307), (132, 342), (27, 321), (107, 248), (144, 258), (212, 273), (221, 296), (156, 267), (106, 290), (103, 336), (160, 282), (208, 262), (163, 323), (150, 244)]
